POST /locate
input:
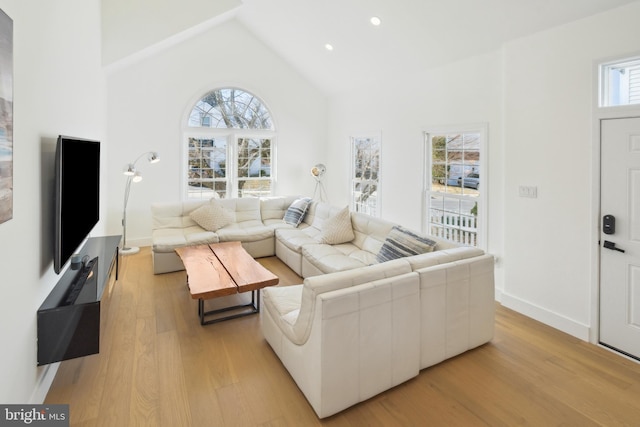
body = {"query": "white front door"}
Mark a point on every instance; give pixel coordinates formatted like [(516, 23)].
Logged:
[(620, 235)]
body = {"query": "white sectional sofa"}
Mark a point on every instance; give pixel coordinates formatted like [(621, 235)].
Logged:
[(357, 325), (345, 337), (255, 221)]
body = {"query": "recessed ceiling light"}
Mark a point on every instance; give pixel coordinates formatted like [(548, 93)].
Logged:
[(375, 21), (328, 46)]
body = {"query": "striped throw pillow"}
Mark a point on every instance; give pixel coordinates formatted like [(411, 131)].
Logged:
[(296, 211), (401, 242)]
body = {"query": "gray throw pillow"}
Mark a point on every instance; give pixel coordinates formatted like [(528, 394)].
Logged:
[(401, 242), (296, 211)]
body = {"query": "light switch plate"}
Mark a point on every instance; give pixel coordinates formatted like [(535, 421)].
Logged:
[(528, 191)]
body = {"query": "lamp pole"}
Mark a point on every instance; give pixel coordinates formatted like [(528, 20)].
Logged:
[(133, 175)]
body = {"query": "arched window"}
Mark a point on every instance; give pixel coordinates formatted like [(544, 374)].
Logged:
[(230, 144)]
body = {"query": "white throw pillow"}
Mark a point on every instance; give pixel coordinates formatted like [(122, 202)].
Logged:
[(337, 229), (212, 216)]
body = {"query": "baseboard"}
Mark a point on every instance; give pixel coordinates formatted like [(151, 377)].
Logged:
[(139, 242), (48, 374), (545, 316), (498, 295)]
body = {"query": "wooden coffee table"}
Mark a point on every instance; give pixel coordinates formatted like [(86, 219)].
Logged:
[(222, 269)]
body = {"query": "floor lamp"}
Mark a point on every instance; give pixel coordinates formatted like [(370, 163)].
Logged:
[(318, 172), (133, 175)]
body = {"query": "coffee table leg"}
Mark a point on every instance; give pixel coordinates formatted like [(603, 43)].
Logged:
[(254, 305)]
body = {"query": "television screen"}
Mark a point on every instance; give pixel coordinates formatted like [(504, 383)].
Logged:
[(77, 195)]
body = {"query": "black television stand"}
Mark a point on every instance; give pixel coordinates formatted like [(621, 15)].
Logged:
[(69, 318)]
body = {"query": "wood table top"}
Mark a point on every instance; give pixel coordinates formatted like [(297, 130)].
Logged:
[(220, 269)]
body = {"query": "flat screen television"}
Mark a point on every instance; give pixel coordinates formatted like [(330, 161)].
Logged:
[(77, 195)]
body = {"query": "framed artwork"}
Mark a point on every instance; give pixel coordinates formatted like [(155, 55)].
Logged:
[(6, 117)]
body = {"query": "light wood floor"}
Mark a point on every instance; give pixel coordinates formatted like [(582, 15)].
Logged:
[(158, 367)]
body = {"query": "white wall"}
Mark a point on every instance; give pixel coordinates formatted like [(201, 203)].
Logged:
[(129, 26), (59, 88), (149, 100), (402, 108), (536, 95), (550, 241)]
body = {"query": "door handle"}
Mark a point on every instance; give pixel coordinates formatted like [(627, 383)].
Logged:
[(612, 246)]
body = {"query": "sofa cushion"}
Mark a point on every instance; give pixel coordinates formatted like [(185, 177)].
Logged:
[(318, 213), (174, 215), (246, 208), (443, 256), (337, 229), (402, 242), (370, 232), (296, 211), (272, 210), (212, 216), (167, 239), (274, 207), (284, 301), (246, 231), (295, 238), (332, 258)]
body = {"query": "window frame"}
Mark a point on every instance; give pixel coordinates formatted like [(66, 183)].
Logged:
[(232, 135), (604, 81), (482, 216)]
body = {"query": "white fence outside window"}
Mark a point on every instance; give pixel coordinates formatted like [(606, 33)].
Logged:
[(457, 228)]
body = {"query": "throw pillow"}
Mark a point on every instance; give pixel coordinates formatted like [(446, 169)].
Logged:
[(337, 229), (212, 216), (401, 242), (296, 211)]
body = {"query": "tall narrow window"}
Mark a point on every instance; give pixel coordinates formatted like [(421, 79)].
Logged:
[(454, 182), (365, 175), (230, 144)]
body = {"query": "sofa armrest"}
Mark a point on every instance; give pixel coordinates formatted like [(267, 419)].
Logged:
[(457, 307), (316, 285), (443, 256), (368, 341)]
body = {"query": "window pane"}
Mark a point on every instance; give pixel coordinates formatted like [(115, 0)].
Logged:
[(365, 174), (254, 188), (207, 167), (620, 83), (230, 108), (365, 193), (455, 186), (254, 161)]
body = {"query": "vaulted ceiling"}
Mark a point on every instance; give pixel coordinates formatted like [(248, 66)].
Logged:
[(413, 34)]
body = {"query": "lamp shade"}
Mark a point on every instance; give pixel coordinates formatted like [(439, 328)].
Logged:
[(318, 170), (129, 169)]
